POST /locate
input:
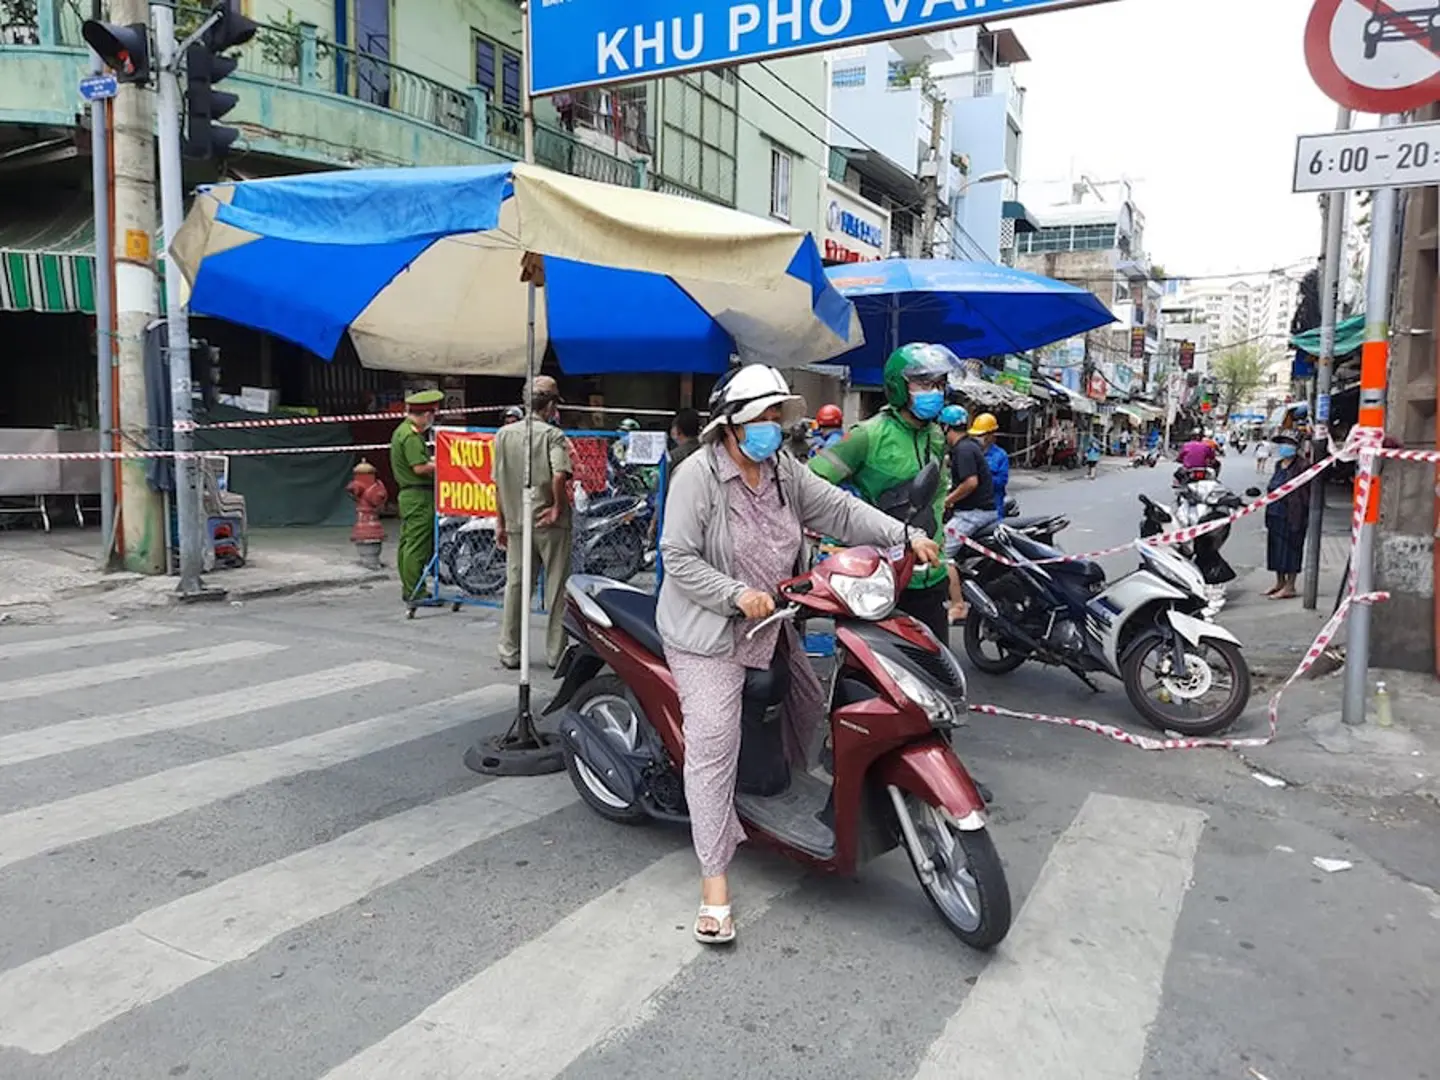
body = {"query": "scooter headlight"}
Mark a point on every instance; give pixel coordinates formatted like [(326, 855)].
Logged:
[(871, 597), (943, 712)]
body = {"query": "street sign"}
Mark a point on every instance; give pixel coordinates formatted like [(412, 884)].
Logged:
[(577, 43), (1375, 56), (98, 87), (1406, 156)]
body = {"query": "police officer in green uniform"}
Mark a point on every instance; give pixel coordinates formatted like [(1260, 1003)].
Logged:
[(415, 476)]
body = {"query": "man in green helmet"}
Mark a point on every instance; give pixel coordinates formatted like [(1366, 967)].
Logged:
[(893, 446)]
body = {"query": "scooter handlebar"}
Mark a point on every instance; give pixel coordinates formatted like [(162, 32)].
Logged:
[(779, 615)]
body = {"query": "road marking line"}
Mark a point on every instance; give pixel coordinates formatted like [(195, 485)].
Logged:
[(55, 999), (144, 667), (15, 650), (62, 738), (533, 1012), (1074, 989), (37, 829)]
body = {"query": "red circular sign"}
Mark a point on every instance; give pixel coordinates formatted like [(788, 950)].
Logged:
[(1375, 57)]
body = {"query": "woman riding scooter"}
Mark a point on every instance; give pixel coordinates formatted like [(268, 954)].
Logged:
[(734, 525)]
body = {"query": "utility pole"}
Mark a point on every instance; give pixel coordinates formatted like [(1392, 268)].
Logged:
[(1334, 253), (1374, 361), (930, 178), (142, 519)]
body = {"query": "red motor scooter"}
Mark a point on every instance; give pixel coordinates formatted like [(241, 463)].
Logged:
[(895, 694)]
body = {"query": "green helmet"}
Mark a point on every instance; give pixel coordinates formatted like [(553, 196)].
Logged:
[(916, 360), (629, 424)]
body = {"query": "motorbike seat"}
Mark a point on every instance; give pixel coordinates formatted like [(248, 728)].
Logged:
[(1084, 571), (766, 687), (1019, 523), (633, 613)]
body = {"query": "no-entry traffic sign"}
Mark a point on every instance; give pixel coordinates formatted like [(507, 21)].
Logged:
[(1375, 56)]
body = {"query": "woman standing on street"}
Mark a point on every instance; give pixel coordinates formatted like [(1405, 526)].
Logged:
[(1286, 522), (734, 526)]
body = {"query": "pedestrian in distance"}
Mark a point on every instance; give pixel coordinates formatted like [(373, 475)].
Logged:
[(1092, 457), (734, 528), (1262, 455), (414, 474), (1286, 521), (986, 429), (551, 470), (829, 428), (685, 435)]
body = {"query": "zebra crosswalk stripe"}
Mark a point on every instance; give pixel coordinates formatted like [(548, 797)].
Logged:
[(567, 989), (1075, 987), (17, 650), (35, 686), (35, 830), (43, 742), (56, 998)]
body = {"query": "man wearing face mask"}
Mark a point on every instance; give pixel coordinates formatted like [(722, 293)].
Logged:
[(890, 448)]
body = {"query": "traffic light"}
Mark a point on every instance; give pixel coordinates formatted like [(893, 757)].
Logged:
[(204, 67), (125, 50)]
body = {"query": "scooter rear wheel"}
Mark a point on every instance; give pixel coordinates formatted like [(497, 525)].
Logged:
[(605, 700), (968, 886)]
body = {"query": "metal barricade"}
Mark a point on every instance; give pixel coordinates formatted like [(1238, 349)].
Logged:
[(615, 528)]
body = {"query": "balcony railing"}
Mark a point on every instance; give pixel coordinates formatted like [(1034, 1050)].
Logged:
[(981, 84), (300, 57)]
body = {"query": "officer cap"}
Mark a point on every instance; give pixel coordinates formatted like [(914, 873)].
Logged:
[(424, 400)]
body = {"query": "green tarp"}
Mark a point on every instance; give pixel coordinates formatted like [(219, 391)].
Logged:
[(285, 489), (1349, 335)]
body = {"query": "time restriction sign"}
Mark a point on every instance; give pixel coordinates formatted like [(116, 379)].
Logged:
[(1407, 156)]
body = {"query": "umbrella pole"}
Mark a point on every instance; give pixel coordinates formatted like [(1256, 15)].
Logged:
[(522, 750)]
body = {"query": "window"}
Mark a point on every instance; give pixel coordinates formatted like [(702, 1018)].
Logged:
[(780, 165), (497, 69), (847, 77)]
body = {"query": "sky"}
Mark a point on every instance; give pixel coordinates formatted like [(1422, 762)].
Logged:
[(1198, 103)]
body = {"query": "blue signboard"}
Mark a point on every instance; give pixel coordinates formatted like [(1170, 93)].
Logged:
[(99, 87), (576, 43)]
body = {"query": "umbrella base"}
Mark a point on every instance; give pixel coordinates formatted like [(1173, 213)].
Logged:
[(500, 756)]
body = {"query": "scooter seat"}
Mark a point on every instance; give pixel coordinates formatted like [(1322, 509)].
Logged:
[(632, 613), (1085, 572)]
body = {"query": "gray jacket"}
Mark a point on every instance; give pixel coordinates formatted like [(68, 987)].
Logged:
[(696, 607)]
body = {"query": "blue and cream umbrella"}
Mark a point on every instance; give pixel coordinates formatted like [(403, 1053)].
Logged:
[(422, 269)]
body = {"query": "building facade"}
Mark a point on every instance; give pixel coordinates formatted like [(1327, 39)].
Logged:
[(363, 83)]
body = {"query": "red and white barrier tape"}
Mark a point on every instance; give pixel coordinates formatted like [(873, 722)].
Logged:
[(120, 455), (394, 417)]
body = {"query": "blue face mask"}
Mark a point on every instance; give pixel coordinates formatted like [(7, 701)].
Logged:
[(1284, 452), (760, 441), (926, 405)]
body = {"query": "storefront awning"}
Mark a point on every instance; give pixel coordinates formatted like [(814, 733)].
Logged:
[(1349, 336), (47, 257), (991, 395), (1069, 399), (1014, 210)]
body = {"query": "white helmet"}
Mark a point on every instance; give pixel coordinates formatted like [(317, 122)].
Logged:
[(745, 393)]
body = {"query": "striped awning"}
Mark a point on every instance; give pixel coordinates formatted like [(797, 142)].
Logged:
[(47, 260)]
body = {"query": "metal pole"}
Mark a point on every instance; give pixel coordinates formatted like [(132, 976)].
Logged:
[(1324, 364), (104, 308), (177, 319), (1374, 359)]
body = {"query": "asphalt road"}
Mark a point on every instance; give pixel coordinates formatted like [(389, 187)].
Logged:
[(239, 842)]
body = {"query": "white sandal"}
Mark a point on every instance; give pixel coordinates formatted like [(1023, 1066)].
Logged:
[(721, 914)]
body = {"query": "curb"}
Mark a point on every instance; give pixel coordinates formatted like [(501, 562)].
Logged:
[(260, 591)]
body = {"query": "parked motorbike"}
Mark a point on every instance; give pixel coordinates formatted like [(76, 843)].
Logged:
[(1199, 499), (1065, 457), (895, 695), (1150, 629)]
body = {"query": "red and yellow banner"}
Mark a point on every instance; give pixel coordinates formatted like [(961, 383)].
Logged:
[(464, 473)]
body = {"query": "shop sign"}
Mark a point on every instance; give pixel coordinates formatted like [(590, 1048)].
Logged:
[(464, 473), (1137, 343), (855, 230), (1096, 388), (1187, 355)]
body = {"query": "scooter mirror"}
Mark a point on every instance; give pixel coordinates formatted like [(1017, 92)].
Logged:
[(925, 487)]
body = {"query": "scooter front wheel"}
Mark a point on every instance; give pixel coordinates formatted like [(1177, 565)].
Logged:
[(966, 882), (978, 631)]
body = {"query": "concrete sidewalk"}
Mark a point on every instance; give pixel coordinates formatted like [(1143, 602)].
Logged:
[(56, 576), (1313, 748)]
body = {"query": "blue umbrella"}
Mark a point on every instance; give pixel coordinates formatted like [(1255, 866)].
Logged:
[(422, 269), (976, 309)]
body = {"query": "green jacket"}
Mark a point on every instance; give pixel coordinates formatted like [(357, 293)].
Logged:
[(884, 452)]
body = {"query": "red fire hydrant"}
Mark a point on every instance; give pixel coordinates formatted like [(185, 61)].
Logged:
[(369, 494)]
